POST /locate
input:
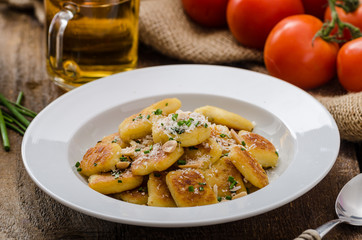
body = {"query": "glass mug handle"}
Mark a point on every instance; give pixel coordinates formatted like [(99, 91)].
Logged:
[(56, 34)]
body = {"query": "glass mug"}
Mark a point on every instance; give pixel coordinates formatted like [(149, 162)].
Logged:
[(90, 39)]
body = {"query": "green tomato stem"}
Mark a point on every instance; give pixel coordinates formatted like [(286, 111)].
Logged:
[(326, 31)]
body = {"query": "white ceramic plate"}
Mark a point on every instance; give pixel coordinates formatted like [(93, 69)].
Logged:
[(304, 133)]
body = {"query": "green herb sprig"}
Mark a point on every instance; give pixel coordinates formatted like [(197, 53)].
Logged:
[(13, 116)]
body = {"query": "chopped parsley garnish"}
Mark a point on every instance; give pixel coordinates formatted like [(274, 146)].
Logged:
[(181, 162), (77, 164), (158, 112), (191, 189), (243, 143)]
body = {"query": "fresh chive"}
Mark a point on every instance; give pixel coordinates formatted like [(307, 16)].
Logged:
[(4, 133), (119, 180), (222, 135), (123, 159), (79, 169), (137, 150), (95, 164), (205, 125), (277, 153), (15, 128), (166, 104), (14, 111), (147, 151), (174, 116), (225, 155), (77, 164), (228, 197), (148, 116), (242, 149), (202, 183), (201, 188), (243, 143), (219, 199), (197, 123), (19, 98), (181, 162), (193, 148), (191, 189), (158, 112), (5, 114), (157, 174)]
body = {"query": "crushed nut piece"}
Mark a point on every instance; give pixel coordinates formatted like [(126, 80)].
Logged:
[(169, 146), (236, 137), (129, 151), (122, 165), (239, 195)]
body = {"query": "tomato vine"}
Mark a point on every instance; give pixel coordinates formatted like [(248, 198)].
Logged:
[(327, 33)]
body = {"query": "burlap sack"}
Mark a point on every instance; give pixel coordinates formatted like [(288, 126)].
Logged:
[(165, 27)]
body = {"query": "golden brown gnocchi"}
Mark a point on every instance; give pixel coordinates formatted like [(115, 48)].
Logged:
[(166, 157)]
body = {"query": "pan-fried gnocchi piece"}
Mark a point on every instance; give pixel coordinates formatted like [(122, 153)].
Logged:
[(229, 119), (103, 157), (114, 182), (260, 148), (225, 179), (189, 129), (154, 158), (158, 193), (139, 125), (114, 138), (201, 156), (188, 188), (248, 167), (136, 196)]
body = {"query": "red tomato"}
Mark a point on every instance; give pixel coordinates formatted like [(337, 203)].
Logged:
[(208, 13), (354, 18), (315, 7), (349, 62), (291, 55), (250, 21)]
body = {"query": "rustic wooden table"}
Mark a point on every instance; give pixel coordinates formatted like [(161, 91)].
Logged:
[(28, 213)]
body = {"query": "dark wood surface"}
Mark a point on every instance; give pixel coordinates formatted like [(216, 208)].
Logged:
[(28, 213)]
